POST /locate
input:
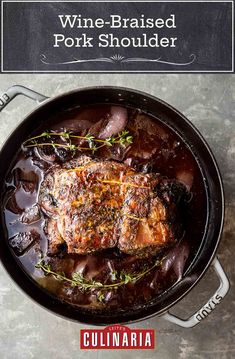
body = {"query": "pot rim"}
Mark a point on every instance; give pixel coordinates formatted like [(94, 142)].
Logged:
[(136, 317)]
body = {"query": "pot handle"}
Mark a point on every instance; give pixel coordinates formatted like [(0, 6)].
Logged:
[(16, 90), (209, 306)]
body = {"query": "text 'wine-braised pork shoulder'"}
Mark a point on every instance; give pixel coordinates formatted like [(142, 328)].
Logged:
[(93, 205)]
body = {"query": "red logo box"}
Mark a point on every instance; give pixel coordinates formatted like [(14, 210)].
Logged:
[(117, 337)]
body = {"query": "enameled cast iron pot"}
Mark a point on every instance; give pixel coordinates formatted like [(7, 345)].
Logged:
[(215, 203)]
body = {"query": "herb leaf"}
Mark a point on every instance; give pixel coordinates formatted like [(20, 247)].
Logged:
[(123, 138), (78, 280), (100, 297)]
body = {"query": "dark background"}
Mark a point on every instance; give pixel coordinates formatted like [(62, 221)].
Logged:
[(203, 29)]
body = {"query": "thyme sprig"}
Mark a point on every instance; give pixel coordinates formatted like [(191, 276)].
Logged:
[(123, 138), (78, 280)]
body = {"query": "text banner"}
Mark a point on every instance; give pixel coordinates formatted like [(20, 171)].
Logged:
[(117, 36)]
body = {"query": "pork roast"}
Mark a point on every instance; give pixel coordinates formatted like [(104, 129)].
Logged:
[(96, 204)]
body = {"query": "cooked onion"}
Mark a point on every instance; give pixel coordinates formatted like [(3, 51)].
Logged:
[(116, 123), (186, 178), (176, 259)]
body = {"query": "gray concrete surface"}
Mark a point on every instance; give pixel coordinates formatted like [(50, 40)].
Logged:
[(28, 331)]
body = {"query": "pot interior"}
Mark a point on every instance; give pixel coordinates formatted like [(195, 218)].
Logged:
[(156, 108)]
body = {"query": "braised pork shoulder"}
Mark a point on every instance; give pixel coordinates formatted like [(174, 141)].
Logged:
[(93, 205)]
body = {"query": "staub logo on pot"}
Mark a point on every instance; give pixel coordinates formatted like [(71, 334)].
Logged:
[(117, 337), (4, 99), (207, 309)]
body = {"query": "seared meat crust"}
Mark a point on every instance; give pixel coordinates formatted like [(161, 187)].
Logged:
[(93, 205)]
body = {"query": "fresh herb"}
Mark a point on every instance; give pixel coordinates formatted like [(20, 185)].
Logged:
[(100, 297), (123, 138), (114, 275), (110, 141), (78, 280), (125, 277)]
